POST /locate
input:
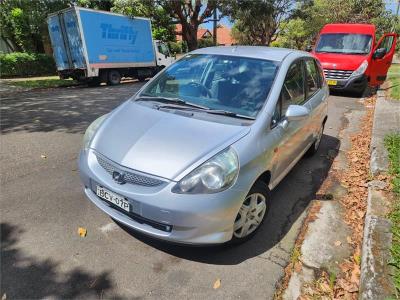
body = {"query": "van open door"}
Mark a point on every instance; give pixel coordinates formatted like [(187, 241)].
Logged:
[(382, 58)]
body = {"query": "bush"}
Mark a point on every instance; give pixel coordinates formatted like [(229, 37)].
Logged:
[(205, 42), (177, 47), (26, 64)]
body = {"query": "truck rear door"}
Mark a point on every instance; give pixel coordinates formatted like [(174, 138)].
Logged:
[(381, 64), (57, 41), (74, 40)]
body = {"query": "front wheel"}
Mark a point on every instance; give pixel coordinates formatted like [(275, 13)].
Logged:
[(252, 213)]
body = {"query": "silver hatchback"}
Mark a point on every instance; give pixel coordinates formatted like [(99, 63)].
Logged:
[(192, 156)]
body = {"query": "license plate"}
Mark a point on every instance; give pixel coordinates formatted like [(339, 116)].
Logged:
[(118, 200), (332, 82)]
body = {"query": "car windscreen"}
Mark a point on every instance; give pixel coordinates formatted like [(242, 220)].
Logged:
[(235, 84), (344, 43)]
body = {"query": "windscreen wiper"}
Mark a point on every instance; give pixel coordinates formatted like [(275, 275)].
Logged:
[(228, 113), (170, 100), (206, 110)]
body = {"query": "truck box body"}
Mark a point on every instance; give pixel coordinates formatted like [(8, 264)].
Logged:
[(90, 40)]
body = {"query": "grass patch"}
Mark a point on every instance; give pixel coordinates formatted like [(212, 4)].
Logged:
[(394, 81), (392, 143), (41, 82)]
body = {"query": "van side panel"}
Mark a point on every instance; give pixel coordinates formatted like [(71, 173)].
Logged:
[(57, 42), (116, 41), (74, 39)]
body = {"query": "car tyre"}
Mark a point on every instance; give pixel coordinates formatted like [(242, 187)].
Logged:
[(315, 146), (114, 77), (252, 213)]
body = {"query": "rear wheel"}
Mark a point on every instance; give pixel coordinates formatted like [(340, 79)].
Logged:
[(114, 77), (252, 213)]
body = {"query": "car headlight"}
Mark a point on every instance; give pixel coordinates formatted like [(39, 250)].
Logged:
[(361, 69), (91, 130), (215, 175)]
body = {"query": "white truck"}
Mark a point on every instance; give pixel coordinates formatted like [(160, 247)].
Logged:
[(98, 46)]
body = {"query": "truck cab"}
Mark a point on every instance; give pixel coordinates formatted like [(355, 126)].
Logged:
[(351, 57), (163, 55)]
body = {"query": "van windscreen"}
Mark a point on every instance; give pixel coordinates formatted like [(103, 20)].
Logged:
[(344, 43)]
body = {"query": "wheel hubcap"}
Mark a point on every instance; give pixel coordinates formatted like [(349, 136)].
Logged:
[(250, 215)]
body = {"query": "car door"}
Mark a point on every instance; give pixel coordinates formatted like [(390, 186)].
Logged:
[(315, 99), (379, 66), (291, 134)]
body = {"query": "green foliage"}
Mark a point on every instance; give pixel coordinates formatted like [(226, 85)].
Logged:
[(46, 82), (392, 143), (310, 16), (26, 64), (177, 47), (162, 24), (256, 22), (394, 81), (293, 34), (24, 22), (205, 42)]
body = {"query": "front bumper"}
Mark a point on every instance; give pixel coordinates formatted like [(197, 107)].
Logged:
[(352, 84), (181, 218)]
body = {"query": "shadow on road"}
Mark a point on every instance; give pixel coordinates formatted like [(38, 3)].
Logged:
[(289, 199), (26, 277), (62, 109)]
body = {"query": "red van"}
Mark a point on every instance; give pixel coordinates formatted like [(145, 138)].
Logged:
[(351, 58)]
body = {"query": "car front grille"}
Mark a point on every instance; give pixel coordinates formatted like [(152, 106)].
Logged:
[(129, 176), (337, 74)]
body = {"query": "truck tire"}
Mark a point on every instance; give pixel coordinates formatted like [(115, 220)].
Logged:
[(114, 77), (141, 78), (95, 81)]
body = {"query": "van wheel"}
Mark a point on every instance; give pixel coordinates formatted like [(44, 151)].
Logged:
[(252, 213), (314, 147), (114, 77)]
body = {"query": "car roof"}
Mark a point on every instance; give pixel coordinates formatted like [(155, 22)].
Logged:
[(260, 52), (349, 28)]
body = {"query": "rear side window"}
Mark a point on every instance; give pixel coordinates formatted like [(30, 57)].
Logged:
[(313, 80)]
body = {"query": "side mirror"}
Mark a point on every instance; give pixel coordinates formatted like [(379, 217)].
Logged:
[(308, 48), (296, 112), (379, 53)]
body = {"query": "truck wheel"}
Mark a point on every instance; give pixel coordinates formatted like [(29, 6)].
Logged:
[(95, 81), (141, 78), (114, 77)]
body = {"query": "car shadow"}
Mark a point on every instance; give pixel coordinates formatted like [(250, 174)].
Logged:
[(289, 200), (27, 277)]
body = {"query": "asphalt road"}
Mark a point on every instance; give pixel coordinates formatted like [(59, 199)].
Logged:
[(42, 205)]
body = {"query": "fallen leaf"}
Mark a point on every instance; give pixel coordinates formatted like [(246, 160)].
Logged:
[(338, 243), (217, 284), (82, 231), (348, 238), (43, 156)]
